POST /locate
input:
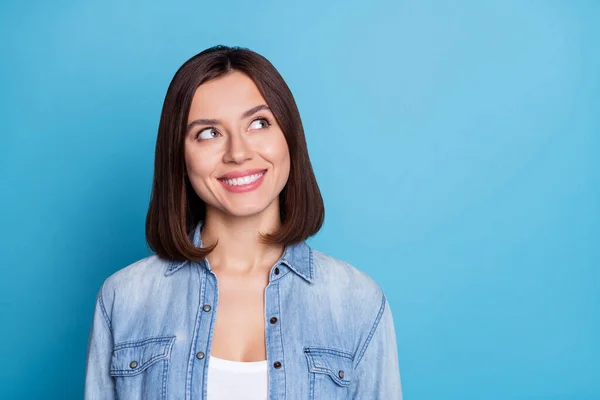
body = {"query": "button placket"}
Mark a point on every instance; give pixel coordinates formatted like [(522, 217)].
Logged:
[(274, 339), (205, 323)]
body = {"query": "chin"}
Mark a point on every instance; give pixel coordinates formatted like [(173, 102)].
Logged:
[(245, 210)]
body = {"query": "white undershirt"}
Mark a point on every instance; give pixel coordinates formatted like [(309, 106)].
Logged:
[(235, 380)]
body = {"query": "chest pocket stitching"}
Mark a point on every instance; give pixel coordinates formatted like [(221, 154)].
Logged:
[(144, 352), (329, 361)]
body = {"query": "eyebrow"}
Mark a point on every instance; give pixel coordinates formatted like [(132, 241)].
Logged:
[(246, 114)]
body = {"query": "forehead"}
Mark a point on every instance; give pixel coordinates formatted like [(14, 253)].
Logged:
[(225, 97)]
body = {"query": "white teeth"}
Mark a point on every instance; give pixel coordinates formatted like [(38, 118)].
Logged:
[(245, 180)]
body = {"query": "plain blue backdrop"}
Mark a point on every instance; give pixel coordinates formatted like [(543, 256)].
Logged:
[(456, 145)]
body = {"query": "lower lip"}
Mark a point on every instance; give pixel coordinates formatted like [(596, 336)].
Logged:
[(244, 188)]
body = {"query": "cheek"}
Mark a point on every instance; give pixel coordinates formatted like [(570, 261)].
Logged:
[(285, 165), (276, 151), (199, 171), (198, 166), (285, 159)]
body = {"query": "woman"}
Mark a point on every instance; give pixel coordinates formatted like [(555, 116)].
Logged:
[(235, 304)]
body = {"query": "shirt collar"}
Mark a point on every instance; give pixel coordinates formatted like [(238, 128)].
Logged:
[(297, 256)]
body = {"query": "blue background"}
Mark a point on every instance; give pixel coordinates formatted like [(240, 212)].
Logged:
[(455, 143)]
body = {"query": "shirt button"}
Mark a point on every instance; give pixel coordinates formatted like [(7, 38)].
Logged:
[(199, 355), (206, 308), (133, 364), (273, 320), (341, 374), (276, 271), (277, 364)]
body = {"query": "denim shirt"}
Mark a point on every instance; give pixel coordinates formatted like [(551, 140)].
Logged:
[(329, 331)]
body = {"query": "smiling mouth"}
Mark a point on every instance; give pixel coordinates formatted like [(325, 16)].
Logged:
[(243, 180)]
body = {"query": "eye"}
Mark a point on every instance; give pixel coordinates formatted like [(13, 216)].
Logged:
[(208, 133), (260, 123)]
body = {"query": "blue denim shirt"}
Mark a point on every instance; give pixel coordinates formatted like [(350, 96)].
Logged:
[(333, 336)]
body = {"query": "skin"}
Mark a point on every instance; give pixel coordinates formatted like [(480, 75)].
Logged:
[(240, 261)]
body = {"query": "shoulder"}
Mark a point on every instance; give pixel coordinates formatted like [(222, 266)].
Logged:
[(347, 282), (352, 302), (329, 268), (137, 277)]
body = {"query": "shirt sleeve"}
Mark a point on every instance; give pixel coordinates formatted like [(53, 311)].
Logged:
[(98, 381), (377, 370)]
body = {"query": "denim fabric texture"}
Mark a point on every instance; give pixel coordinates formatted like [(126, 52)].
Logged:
[(333, 337)]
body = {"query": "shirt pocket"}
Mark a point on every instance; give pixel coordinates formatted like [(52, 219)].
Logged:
[(140, 368), (330, 372)]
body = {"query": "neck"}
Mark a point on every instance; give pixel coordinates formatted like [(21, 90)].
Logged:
[(239, 248)]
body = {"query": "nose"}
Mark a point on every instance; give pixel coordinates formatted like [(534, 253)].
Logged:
[(238, 149)]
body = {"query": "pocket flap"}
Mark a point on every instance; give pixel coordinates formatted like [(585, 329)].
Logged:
[(335, 363), (132, 358)]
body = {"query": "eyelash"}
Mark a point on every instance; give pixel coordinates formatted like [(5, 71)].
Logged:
[(255, 119)]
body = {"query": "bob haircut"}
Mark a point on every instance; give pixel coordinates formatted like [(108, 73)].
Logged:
[(175, 208)]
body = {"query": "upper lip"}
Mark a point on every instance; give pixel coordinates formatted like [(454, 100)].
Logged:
[(239, 174)]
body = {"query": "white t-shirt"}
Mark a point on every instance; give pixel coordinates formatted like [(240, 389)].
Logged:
[(235, 380)]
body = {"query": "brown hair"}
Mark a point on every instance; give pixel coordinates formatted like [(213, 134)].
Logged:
[(175, 208)]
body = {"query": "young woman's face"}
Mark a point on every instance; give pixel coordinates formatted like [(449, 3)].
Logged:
[(236, 156)]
